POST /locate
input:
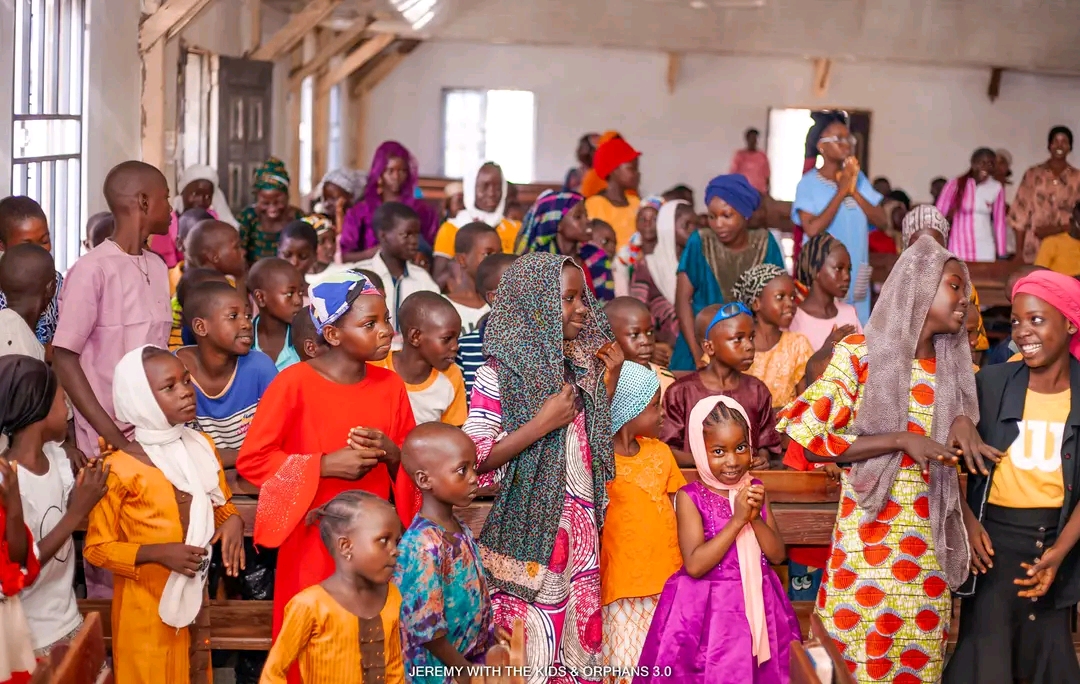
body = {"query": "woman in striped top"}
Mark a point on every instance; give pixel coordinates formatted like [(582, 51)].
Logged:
[(974, 204)]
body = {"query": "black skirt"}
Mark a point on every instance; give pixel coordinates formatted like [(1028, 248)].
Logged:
[(1005, 638)]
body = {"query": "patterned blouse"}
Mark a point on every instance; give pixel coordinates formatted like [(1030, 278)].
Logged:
[(782, 367), (1043, 199), (256, 243)]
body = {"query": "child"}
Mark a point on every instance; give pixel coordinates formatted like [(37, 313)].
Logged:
[(824, 274), (486, 194), (1059, 252), (616, 162), (22, 221), (34, 414), (28, 279), (780, 356), (330, 425), (436, 389), (655, 275), (603, 236), (729, 342), (327, 243), (632, 326), (18, 568), (229, 376), (889, 403), (446, 611), (215, 244), (639, 550), (99, 228), (472, 244), (184, 225), (299, 245), (723, 617), (278, 289), (346, 628), (181, 334), (167, 503), (1020, 518), (471, 347), (303, 338), (398, 229)]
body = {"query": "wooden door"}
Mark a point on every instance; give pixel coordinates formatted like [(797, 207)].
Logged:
[(245, 88), (859, 125)]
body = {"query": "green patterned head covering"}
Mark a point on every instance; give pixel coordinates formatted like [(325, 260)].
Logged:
[(271, 175)]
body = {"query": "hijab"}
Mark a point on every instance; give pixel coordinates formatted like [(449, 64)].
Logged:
[(271, 175), (188, 461), (637, 386), (349, 180), (219, 204), (1059, 291), (470, 213), (544, 217), (664, 261)]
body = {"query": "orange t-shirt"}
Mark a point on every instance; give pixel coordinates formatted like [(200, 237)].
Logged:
[(640, 547)]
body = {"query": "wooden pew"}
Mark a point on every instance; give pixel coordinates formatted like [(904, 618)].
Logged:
[(80, 662)]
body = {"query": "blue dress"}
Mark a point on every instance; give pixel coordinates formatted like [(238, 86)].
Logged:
[(849, 227), (706, 290)]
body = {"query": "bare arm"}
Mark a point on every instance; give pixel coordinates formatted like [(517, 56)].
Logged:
[(442, 271), (768, 536), (700, 556), (74, 380), (865, 447), (513, 444), (684, 310), (874, 214)]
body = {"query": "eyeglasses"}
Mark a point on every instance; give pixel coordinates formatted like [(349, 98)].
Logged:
[(850, 140), (729, 310)]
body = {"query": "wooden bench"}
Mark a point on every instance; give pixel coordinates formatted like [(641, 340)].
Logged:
[(80, 662)]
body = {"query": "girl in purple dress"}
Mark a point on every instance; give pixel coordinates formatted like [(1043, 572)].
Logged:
[(724, 617)]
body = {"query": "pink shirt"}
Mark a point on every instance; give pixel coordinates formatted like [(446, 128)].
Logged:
[(165, 245), (817, 330), (755, 166), (111, 303)]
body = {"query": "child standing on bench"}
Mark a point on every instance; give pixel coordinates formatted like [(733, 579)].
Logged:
[(639, 549), (723, 618), (167, 504), (345, 629)]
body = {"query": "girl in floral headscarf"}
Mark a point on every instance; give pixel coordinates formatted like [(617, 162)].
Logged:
[(261, 222)]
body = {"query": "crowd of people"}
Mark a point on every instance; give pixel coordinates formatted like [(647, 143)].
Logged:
[(377, 363)]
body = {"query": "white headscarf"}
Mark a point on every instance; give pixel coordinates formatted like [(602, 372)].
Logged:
[(470, 213), (664, 261), (188, 462), (219, 204)]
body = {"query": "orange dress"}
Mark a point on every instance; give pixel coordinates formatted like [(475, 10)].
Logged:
[(140, 508), (333, 646)]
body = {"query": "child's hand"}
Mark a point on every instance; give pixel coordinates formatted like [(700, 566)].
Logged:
[(760, 461), (9, 488), (231, 534), (180, 558), (833, 471), (90, 486), (963, 435), (76, 456), (980, 548), (924, 450), (1040, 575), (559, 409), (612, 356), (838, 333), (748, 503), (347, 464), (661, 354), (369, 440), (502, 635)]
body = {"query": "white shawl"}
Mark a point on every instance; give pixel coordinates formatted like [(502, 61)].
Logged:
[(219, 204), (187, 460), (470, 213), (664, 261)]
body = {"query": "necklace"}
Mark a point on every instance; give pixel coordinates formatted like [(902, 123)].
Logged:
[(145, 273)]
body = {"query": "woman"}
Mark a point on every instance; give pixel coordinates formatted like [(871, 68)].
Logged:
[(392, 178), (974, 204), (653, 281), (839, 199), (337, 193), (887, 403), (485, 193), (198, 189), (540, 418), (557, 224), (716, 256), (261, 222), (644, 238), (616, 163)]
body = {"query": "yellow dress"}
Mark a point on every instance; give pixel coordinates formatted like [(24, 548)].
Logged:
[(622, 219), (782, 367), (140, 508), (444, 239), (333, 646)]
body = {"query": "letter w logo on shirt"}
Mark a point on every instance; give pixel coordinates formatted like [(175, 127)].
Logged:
[(1030, 452)]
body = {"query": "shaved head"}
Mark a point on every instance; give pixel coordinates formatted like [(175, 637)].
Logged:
[(26, 269), (624, 307), (432, 444), (128, 182), (266, 271), (207, 237), (419, 308)]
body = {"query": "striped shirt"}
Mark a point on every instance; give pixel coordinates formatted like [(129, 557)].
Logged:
[(225, 418), (979, 227), (470, 357), (485, 422)]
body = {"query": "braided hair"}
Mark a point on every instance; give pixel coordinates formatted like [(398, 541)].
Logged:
[(721, 414), (338, 515), (752, 282), (812, 257)]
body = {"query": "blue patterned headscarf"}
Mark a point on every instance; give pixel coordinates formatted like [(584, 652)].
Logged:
[(333, 297), (637, 386), (544, 216), (736, 191)]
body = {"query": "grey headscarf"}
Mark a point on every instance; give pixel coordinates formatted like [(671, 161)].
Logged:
[(924, 217), (350, 180), (891, 337)]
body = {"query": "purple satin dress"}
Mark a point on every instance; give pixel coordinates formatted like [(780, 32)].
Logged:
[(699, 629)]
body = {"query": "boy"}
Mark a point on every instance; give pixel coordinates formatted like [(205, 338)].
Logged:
[(278, 289), (436, 388), (28, 279), (398, 230), (184, 225), (22, 221), (208, 244), (99, 228), (303, 337), (181, 334), (472, 244), (299, 245), (471, 347), (446, 615), (229, 376), (603, 236), (632, 326)]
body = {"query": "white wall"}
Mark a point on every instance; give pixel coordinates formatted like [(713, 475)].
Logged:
[(926, 121)]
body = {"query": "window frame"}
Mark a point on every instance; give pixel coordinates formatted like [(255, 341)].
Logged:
[(444, 94)]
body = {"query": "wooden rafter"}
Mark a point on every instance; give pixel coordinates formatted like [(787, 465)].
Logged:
[(255, 14), (340, 44), (356, 59), (168, 20), (295, 29), (674, 60)]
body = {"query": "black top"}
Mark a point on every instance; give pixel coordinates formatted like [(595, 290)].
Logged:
[(1002, 389)]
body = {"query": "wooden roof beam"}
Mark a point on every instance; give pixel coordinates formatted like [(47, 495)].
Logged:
[(356, 59), (167, 20), (298, 26), (340, 44)]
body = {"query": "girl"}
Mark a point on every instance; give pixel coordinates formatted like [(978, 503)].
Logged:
[(346, 628), (723, 618), (167, 504), (616, 163), (337, 193), (18, 568), (1021, 517), (888, 403), (325, 426), (780, 356), (974, 204), (198, 188), (485, 193), (625, 262), (640, 546), (392, 178), (714, 258), (550, 443), (558, 224), (838, 199), (262, 221), (823, 274), (33, 414), (653, 280)]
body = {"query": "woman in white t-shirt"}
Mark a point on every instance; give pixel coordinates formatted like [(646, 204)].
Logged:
[(33, 420)]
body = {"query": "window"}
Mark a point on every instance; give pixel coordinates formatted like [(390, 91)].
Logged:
[(306, 133), (489, 125), (47, 138)]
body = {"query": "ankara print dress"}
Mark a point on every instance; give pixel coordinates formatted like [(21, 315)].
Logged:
[(886, 602)]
